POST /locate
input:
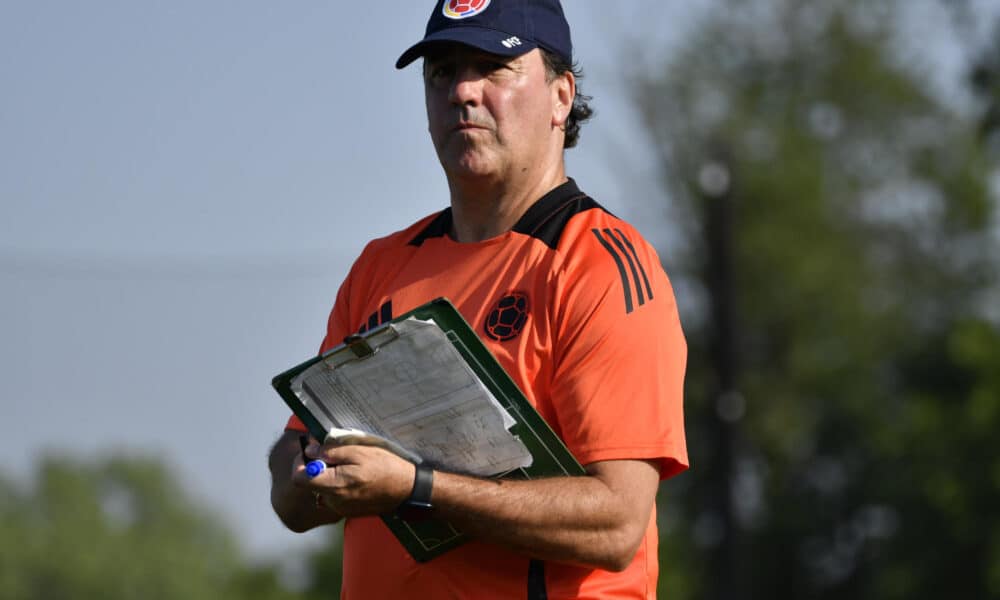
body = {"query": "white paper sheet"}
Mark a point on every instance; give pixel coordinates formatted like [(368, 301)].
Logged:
[(418, 392)]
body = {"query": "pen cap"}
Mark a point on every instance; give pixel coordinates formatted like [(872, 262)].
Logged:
[(314, 468)]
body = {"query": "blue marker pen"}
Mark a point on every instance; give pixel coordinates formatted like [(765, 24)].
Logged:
[(314, 468)]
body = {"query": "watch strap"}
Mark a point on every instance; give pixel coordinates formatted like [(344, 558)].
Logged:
[(418, 505)]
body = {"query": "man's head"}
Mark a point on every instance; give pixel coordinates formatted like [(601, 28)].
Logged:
[(510, 31), (495, 117), (502, 27)]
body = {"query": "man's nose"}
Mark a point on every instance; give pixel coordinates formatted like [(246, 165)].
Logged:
[(466, 87)]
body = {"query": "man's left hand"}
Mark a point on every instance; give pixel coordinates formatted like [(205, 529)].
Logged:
[(359, 480)]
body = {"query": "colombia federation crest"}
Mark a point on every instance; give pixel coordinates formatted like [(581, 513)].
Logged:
[(463, 9), (508, 317)]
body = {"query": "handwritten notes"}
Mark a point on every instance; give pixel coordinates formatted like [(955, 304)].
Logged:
[(416, 391)]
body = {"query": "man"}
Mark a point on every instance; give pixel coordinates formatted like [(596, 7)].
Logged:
[(601, 354)]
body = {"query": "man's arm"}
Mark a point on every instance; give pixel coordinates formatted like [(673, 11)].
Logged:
[(295, 505), (596, 520)]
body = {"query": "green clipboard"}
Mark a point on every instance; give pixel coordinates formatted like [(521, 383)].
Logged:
[(426, 539)]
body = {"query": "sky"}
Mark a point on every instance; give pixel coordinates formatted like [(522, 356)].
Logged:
[(183, 186)]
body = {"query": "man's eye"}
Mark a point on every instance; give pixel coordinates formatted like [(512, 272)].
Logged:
[(439, 72)]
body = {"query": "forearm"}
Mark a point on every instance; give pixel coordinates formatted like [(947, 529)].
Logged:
[(295, 506), (596, 520)]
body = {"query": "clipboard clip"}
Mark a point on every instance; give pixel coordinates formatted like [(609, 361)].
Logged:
[(359, 346)]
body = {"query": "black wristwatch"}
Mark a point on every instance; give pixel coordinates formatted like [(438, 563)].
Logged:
[(418, 506)]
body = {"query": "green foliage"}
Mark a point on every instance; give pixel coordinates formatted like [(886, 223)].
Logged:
[(863, 466), (119, 529)]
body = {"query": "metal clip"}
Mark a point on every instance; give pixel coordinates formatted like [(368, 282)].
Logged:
[(359, 346)]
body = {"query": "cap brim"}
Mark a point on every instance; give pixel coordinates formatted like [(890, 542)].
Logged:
[(487, 40)]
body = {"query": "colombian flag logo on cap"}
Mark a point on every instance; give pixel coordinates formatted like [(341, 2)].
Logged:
[(462, 9)]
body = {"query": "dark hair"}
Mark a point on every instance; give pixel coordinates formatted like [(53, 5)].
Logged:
[(581, 111)]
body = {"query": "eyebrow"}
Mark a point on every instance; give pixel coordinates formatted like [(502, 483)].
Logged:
[(444, 53)]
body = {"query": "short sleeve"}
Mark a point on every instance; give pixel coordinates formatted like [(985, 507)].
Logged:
[(295, 424), (620, 356)]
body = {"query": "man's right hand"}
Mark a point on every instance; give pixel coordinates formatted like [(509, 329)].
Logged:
[(297, 507)]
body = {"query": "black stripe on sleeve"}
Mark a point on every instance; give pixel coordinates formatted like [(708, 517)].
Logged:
[(386, 312), (628, 242), (621, 269), (631, 266), (649, 289)]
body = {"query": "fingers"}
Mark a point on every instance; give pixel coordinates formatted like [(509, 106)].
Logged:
[(359, 480), (310, 452), (312, 448), (352, 454), (346, 467)]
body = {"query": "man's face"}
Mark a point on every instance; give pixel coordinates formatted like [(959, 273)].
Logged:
[(488, 115)]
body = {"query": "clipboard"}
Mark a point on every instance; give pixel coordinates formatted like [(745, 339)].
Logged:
[(425, 540)]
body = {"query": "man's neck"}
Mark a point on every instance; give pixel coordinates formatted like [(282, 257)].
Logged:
[(483, 209)]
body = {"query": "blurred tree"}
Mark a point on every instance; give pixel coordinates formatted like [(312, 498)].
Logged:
[(984, 74), (839, 256), (121, 529), (985, 79)]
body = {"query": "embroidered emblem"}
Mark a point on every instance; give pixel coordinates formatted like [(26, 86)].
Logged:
[(463, 9), (508, 317)]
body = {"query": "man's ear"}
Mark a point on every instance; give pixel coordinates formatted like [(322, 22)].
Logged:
[(563, 92)]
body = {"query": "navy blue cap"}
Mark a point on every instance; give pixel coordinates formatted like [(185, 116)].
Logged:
[(504, 27)]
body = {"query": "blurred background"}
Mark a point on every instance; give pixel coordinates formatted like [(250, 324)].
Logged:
[(184, 185)]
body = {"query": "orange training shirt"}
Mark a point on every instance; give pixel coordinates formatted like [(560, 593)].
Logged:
[(575, 306)]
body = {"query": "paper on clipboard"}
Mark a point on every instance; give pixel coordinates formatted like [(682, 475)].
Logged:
[(416, 391)]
